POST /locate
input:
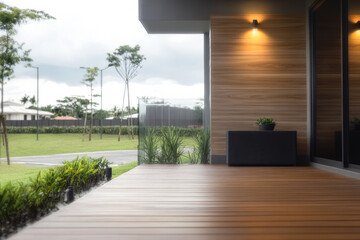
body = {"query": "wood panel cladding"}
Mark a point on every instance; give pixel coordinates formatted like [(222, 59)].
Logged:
[(257, 73)]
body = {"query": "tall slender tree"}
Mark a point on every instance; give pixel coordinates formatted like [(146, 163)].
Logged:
[(12, 52), (127, 61), (88, 81)]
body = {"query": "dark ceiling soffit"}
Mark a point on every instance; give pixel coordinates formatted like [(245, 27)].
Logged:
[(175, 27)]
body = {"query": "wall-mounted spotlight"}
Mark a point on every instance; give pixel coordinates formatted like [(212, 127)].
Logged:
[(357, 25), (255, 23)]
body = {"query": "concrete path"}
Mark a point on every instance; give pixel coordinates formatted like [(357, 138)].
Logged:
[(119, 157)]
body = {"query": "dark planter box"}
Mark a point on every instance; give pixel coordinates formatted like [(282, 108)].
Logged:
[(261, 148), (267, 127)]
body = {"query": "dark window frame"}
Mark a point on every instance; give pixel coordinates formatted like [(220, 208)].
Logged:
[(344, 82)]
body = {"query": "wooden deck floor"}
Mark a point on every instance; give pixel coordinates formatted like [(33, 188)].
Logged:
[(211, 202)]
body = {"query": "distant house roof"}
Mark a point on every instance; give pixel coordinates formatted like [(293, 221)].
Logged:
[(65, 118), (135, 115), (17, 108)]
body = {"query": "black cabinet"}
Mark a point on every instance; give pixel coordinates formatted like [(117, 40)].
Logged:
[(261, 148)]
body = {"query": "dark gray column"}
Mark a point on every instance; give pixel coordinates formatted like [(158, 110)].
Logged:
[(206, 116)]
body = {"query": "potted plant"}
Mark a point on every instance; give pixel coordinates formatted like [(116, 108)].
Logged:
[(265, 124)]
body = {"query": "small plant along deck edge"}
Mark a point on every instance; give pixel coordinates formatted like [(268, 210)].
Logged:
[(26, 202)]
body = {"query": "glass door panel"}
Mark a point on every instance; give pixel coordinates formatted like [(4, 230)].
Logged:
[(328, 93), (354, 82)]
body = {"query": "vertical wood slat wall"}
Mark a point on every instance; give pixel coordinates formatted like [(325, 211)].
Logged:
[(257, 73)]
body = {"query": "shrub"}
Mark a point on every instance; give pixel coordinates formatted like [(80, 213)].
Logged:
[(22, 203), (150, 147), (170, 146), (79, 130), (184, 132), (201, 151)]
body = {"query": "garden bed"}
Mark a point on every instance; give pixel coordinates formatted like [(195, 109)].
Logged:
[(22, 203)]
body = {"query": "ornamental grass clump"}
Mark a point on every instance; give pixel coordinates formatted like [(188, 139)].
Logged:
[(201, 151), (170, 146), (23, 203), (150, 147)]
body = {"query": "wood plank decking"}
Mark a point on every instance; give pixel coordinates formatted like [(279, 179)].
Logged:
[(211, 202)]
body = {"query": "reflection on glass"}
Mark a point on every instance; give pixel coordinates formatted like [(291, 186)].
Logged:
[(155, 115), (354, 82), (328, 80)]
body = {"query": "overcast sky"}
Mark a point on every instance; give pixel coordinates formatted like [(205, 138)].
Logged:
[(82, 34)]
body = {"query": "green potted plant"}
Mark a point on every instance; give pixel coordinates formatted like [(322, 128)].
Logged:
[(265, 124)]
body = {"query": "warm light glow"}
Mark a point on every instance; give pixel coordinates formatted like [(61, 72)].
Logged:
[(259, 17), (253, 42), (354, 30), (354, 35), (354, 19)]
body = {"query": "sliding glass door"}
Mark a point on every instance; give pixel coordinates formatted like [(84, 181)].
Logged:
[(327, 81), (354, 83), (335, 69)]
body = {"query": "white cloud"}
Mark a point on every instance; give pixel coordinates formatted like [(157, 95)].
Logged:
[(83, 32), (113, 89)]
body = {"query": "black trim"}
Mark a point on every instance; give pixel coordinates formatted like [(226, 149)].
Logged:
[(313, 79), (345, 82)]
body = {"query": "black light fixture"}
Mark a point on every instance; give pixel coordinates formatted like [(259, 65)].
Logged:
[(357, 25), (69, 194), (108, 173), (255, 23)]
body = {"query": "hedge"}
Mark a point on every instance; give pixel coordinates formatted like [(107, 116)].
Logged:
[(23, 203), (184, 132), (106, 130)]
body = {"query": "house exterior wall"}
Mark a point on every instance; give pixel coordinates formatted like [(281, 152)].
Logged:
[(251, 75), (256, 74), (21, 117), (17, 117)]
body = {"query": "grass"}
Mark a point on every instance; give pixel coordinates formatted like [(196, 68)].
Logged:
[(26, 145), (17, 173), (20, 173), (117, 171), (48, 144)]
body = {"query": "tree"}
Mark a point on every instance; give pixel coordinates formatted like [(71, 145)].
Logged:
[(115, 112), (85, 103), (32, 101), (88, 81), (24, 99), (101, 114), (11, 52), (127, 61), (73, 106)]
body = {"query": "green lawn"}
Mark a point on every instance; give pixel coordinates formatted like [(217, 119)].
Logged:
[(117, 171), (26, 144), (20, 173), (17, 173), (48, 144)]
